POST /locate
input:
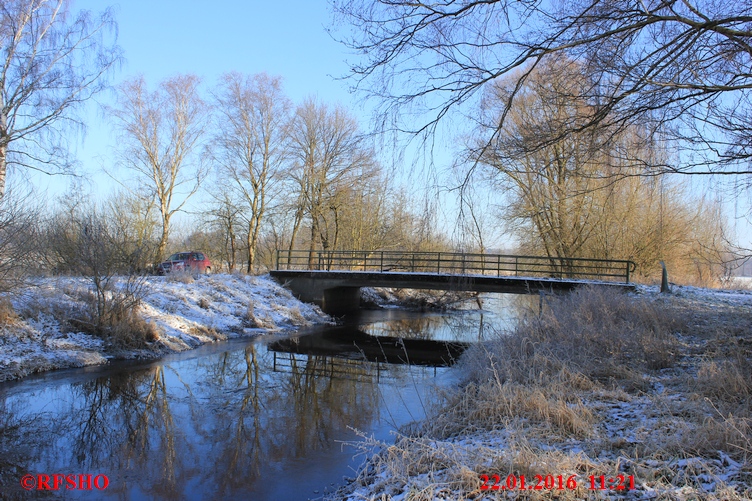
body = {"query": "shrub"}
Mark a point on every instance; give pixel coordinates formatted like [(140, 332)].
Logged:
[(7, 313)]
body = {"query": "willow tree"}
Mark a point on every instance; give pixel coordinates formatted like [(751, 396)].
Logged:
[(582, 194)]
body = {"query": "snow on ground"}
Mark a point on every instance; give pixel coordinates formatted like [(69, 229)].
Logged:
[(187, 312), (427, 468)]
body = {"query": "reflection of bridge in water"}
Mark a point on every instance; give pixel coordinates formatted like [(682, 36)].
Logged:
[(340, 352), (332, 279)]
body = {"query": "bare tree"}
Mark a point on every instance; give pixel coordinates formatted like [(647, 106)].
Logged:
[(93, 242), (223, 216), (677, 67), (19, 236), (562, 200), (249, 145), (159, 135), (50, 63), (328, 154)]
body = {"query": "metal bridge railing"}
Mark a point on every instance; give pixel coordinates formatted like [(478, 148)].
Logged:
[(456, 263)]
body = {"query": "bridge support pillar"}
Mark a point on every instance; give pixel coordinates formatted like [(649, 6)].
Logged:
[(330, 295)]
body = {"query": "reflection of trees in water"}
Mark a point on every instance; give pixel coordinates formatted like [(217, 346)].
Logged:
[(408, 328), (446, 327), (262, 418), (125, 420), (239, 430), (464, 325), (154, 420), (22, 438), (323, 404), (221, 424)]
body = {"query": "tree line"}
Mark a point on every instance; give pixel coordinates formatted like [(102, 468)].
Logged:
[(276, 175)]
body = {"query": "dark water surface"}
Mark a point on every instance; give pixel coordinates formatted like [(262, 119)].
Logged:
[(254, 419)]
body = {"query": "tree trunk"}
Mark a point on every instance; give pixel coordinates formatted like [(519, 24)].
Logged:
[(165, 235), (251, 247), (3, 167)]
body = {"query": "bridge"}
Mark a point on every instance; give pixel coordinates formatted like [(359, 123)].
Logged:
[(332, 279)]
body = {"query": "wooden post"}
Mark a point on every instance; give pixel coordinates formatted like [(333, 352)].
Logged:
[(664, 279)]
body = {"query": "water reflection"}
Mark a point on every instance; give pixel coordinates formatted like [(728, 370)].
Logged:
[(216, 427), (242, 421)]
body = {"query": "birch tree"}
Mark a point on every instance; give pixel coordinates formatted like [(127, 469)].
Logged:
[(159, 136), (51, 62)]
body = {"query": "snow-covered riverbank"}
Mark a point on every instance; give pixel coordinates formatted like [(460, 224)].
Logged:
[(186, 312)]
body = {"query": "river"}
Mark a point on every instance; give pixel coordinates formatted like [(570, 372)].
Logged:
[(268, 418)]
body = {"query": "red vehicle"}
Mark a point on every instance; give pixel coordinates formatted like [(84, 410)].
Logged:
[(195, 262)]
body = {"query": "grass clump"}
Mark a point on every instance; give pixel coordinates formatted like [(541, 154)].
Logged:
[(8, 314), (112, 312), (592, 333)]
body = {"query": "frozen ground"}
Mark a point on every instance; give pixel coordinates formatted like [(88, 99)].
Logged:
[(658, 434), (187, 312)]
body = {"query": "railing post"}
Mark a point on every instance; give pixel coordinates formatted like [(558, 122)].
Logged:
[(628, 263), (516, 266), (381, 266), (438, 266), (498, 265), (277, 258)]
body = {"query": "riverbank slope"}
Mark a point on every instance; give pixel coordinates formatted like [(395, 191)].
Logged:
[(182, 311)]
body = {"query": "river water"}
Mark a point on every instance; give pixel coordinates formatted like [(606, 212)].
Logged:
[(268, 418)]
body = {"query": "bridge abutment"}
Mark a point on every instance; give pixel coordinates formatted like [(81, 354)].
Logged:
[(331, 295)]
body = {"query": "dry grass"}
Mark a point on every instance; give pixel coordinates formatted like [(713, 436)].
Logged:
[(592, 386), (181, 276), (725, 381), (253, 320), (121, 328), (592, 333), (8, 314), (493, 405), (130, 331)]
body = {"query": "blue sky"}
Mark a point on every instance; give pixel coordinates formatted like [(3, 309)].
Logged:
[(163, 38)]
